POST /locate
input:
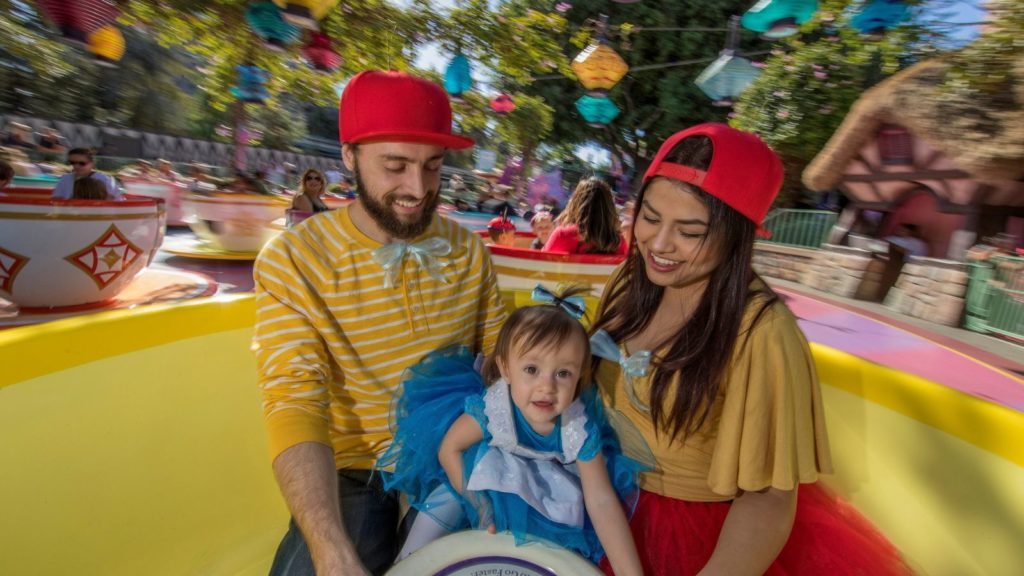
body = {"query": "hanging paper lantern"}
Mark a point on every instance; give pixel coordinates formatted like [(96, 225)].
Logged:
[(726, 78), (251, 86), (457, 78), (107, 44), (77, 19), (778, 18), (597, 111), (502, 104), (599, 68), (877, 16), (320, 53), (266, 21), (306, 13)]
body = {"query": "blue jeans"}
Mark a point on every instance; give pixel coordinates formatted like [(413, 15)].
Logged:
[(370, 515)]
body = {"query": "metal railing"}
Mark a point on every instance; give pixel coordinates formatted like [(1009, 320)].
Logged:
[(807, 228), (995, 297)]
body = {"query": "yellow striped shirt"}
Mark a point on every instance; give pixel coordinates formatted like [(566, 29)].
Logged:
[(331, 341)]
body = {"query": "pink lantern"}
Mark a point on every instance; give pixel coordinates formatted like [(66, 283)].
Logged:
[(320, 53), (77, 19), (502, 104)]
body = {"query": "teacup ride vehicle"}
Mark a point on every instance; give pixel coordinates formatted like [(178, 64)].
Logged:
[(333, 202), (62, 254), (38, 181), (168, 474), (172, 193), (230, 225)]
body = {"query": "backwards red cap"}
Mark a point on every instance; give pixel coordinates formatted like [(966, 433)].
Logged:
[(500, 223), (744, 172), (381, 106)]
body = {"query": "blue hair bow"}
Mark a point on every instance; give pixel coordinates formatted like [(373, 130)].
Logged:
[(575, 306), (425, 252), (635, 366)]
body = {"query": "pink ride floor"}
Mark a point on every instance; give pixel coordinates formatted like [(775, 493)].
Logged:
[(929, 355)]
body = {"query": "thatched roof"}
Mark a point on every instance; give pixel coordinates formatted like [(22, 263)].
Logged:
[(983, 135)]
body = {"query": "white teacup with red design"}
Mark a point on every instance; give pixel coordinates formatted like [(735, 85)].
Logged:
[(234, 222), (58, 253), (172, 194)]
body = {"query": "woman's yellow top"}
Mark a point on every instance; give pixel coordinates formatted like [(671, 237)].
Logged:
[(766, 427)]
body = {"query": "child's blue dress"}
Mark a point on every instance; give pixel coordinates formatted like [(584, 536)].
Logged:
[(531, 480)]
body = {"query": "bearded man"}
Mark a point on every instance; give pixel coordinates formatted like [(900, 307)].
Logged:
[(346, 301)]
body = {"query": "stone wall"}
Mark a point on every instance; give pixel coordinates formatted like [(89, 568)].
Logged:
[(930, 289), (784, 262), (844, 271)]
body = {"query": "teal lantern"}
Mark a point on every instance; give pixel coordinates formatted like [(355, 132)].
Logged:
[(877, 16), (597, 112), (726, 78), (266, 21), (457, 78), (778, 18), (251, 86)]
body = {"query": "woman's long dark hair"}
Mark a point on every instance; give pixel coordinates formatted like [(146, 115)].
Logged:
[(687, 375), (592, 209)]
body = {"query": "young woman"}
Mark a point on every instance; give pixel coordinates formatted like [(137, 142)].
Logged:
[(311, 189), (589, 224), (710, 366)]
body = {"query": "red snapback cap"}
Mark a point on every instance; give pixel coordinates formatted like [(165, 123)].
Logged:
[(500, 223), (744, 172), (379, 106)]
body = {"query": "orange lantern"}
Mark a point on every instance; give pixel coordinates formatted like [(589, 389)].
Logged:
[(599, 68), (107, 44)]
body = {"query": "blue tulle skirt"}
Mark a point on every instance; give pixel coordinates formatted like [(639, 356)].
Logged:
[(434, 395)]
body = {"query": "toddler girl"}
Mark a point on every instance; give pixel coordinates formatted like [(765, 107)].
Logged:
[(532, 453)]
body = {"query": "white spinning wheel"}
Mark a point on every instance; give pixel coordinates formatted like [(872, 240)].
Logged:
[(477, 553)]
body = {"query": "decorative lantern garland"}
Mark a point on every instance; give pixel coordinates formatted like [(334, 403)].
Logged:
[(77, 19), (729, 75), (502, 104), (306, 13), (320, 53), (599, 68), (107, 45), (597, 111), (457, 76), (877, 16), (251, 86), (778, 18), (266, 21)]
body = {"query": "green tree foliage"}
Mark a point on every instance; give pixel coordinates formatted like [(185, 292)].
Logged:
[(658, 96), (983, 68), (810, 81)]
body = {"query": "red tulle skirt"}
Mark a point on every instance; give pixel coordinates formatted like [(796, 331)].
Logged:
[(829, 537)]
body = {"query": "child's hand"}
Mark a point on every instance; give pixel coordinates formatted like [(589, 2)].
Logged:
[(484, 510)]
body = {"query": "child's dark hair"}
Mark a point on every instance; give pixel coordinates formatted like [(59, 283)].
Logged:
[(89, 188), (542, 325)]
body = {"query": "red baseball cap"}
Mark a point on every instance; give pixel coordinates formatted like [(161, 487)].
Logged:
[(379, 106), (500, 223), (744, 172)]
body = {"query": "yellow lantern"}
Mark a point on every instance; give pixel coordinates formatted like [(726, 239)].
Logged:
[(107, 44), (305, 13), (599, 68)]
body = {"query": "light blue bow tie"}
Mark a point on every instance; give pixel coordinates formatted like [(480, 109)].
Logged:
[(425, 252), (634, 366), (575, 306)]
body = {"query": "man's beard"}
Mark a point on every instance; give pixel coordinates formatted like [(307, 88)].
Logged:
[(384, 215)]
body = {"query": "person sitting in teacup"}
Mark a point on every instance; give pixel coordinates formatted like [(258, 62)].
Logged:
[(83, 165)]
